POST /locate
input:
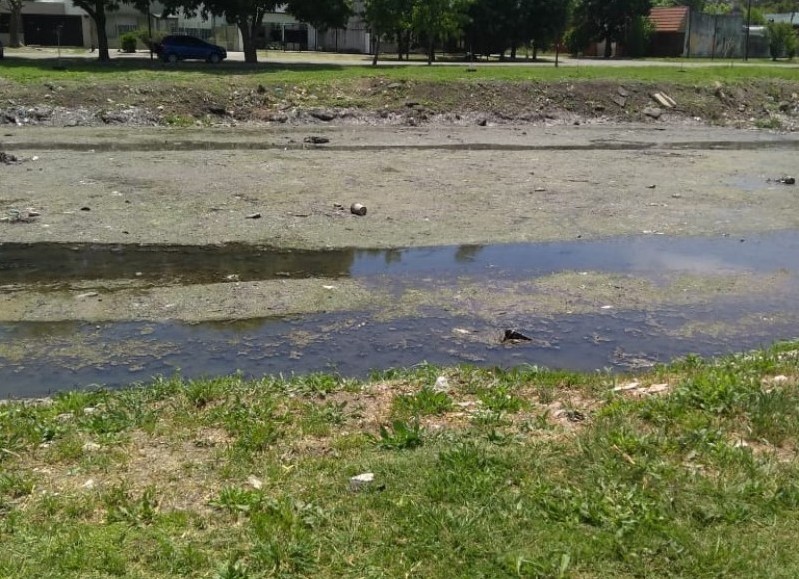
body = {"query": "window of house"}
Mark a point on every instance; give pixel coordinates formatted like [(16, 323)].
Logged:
[(125, 28), (204, 33)]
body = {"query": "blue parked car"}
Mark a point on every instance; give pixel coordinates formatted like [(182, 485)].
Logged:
[(180, 47)]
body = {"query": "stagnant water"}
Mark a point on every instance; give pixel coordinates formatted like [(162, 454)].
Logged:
[(76, 354)]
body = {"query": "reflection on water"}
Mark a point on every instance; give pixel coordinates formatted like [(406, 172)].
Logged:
[(652, 254)]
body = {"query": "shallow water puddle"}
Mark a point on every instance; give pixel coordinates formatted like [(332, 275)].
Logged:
[(41, 357)]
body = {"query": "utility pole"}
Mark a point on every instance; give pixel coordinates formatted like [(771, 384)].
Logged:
[(748, 26)]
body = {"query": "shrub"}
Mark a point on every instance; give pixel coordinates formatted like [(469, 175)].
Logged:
[(127, 42), (782, 40), (638, 36), (144, 37)]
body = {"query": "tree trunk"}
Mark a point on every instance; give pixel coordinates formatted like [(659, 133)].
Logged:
[(535, 51), (247, 41), (431, 48), (14, 19), (377, 50), (608, 47), (400, 45), (513, 51), (102, 35)]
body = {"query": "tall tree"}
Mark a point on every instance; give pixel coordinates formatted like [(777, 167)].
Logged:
[(14, 21), (608, 20), (321, 14), (487, 32), (544, 21), (435, 20), (383, 18), (389, 19), (97, 9), (246, 15)]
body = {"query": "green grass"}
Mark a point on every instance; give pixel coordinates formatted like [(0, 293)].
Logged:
[(520, 473), (27, 71)]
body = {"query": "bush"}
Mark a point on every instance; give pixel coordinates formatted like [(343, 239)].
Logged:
[(782, 40), (127, 42), (638, 36), (577, 39), (144, 37)]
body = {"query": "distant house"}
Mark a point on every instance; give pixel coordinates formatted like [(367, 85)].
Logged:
[(46, 22), (671, 25), (50, 22), (789, 17), (355, 37), (680, 31)]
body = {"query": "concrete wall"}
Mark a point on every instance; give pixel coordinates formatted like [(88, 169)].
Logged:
[(715, 36)]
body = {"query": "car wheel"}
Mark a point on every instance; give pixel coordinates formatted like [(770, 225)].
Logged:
[(214, 58), (173, 58)]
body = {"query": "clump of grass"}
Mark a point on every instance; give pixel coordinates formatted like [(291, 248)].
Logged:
[(425, 402), (227, 477), (400, 436)]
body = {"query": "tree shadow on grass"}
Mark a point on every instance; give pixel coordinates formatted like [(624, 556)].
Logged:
[(143, 63)]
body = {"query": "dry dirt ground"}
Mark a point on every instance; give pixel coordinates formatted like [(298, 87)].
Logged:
[(438, 185)]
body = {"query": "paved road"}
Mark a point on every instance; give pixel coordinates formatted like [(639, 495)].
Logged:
[(356, 60)]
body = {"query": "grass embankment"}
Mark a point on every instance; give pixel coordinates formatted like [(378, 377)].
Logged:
[(692, 472), (23, 70)]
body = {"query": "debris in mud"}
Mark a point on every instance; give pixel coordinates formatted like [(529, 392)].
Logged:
[(253, 216), (314, 140), (664, 100), (323, 115), (570, 414), (622, 358), (8, 158), (358, 209), (785, 180), (718, 90), (85, 208), (441, 385), (653, 112), (21, 216), (361, 481), (619, 100), (636, 389), (514, 336)]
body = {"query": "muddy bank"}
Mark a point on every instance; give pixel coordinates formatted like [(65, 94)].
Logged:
[(375, 101)]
